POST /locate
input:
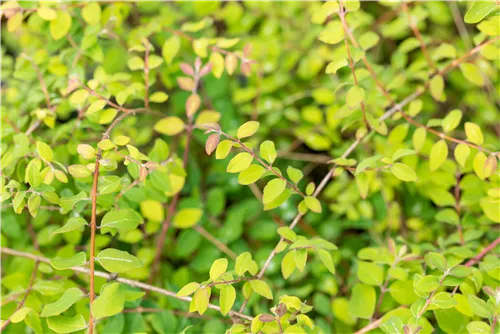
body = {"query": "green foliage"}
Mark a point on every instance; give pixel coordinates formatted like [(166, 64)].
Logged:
[(355, 184)]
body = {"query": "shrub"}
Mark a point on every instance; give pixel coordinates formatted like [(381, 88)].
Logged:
[(250, 167)]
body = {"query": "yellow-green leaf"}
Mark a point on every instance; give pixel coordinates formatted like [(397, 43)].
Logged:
[(248, 129), (239, 163), (273, 189), (403, 172), (438, 155), (187, 218), (170, 126), (474, 133), (261, 288)]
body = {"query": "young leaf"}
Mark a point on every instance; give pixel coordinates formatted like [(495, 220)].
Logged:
[(327, 260), (251, 175), (474, 133), (436, 260), (223, 149), (268, 151), (117, 261), (362, 301), (201, 298), (111, 301), (247, 129), (188, 289), (437, 88), (227, 298), (355, 96), (300, 258), (44, 151), (218, 268), (288, 264), (169, 126), (74, 223), (187, 218), (438, 155), (239, 163), (62, 324), (273, 190), (123, 220), (261, 288), (60, 263), (478, 11), (403, 172), (242, 263), (461, 153), (70, 296), (370, 273), (452, 120), (294, 174), (313, 204)]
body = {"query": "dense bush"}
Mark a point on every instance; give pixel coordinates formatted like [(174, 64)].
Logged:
[(250, 167)]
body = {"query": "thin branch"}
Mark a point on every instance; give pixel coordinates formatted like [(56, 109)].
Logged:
[(146, 74), (349, 58), (28, 290), (221, 246), (483, 253), (417, 34), (144, 286), (93, 227)]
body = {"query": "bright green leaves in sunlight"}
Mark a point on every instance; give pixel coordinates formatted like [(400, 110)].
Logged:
[(63, 324), (61, 263), (478, 11), (474, 133), (122, 220), (403, 172), (251, 175), (187, 218), (218, 268), (227, 298), (438, 155), (262, 288), (110, 302), (268, 151), (247, 129), (170, 126), (362, 301), (69, 297), (272, 190), (117, 261), (239, 163)]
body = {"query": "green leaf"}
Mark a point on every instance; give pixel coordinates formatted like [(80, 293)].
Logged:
[(62, 324), (427, 283), (170, 48), (287, 233), (223, 149), (461, 153), (472, 73), (327, 260), (313, 204), (300, 257), (111, 301), (288, 264), (247, 129), (478, 11), (460, 271), (123, 220), (218, 268), (436, 88), (419, 138), (438, 155), (443, 300), (70, 296), (279, 200), (478, 165), (452, 120), (477, 327), (239, 163), (61, 25), (332, 33), (479, 307), (261, 288), (44, 151), (226, 299), (74, 223), (117, 261), (362, 302), (188, 289), (158, 97), (170, 126), (273, 190), (294, 174), (251, 175), (242, 263), (403, 172), (368, 40), (335, 65), (370, 273), (268, 151), (135, 63), (402, 152), (355, 96), (474, 133), (201, 299), (436, 260), (187, 218), (91, 13), (60, 263)]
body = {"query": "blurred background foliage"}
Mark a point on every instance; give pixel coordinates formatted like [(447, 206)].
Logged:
[(299, 106)]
